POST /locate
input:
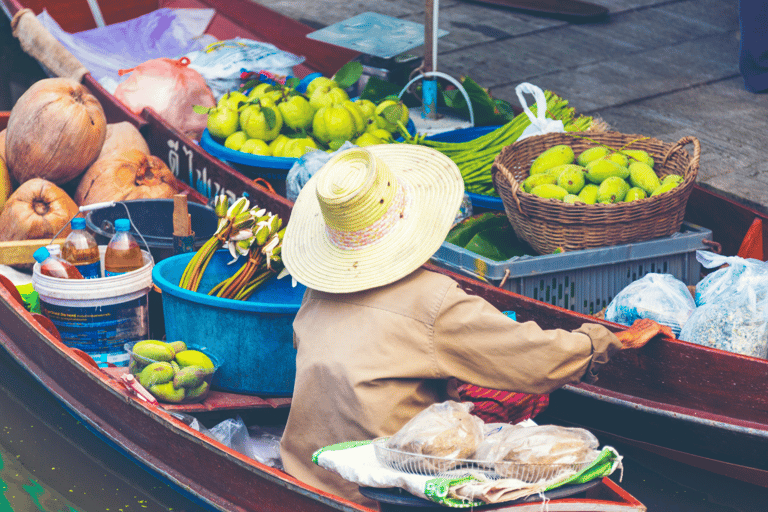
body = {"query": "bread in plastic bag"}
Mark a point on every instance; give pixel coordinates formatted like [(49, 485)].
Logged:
[(171, 88), (538, 445), (446, 430), (660, 297)]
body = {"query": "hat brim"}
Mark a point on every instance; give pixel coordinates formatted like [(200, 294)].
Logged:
[(436, 189)]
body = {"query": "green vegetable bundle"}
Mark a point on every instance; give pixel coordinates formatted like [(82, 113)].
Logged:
[(475, 157)]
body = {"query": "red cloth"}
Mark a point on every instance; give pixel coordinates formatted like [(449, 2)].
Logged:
[(493, 406), (752, 245)]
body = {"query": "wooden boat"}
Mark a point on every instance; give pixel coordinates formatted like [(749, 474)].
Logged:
[(701, 406)]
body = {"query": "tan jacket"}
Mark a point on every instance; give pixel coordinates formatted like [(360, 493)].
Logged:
[(367, 362)]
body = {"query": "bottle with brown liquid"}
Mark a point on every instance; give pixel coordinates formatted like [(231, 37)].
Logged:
[(54, 266), (123, 252), (81, 250)]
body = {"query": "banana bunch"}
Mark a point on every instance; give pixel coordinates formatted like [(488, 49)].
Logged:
[(170, 371)]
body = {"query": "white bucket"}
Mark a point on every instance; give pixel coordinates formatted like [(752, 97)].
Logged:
[(98, 316)]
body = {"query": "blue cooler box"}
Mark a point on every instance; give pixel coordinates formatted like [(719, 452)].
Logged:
[(253, 339)]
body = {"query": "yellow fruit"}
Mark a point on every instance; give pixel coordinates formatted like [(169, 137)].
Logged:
[(589, 193), (190, 376), (638, 155), (602, 168), (675, 178), (297, 113), (591, 154), (222, 122), (642, 175), (572, 180), (234, 100), (620, 159), (197, 392), (572, 198), (532, 182), (553, 157), (549, 191), (318, 82), (333, 123), (296, 148), (368, 139), (388, 113), (367, 106), (152, 350), (612, 190), (156, 373), (665, 187), (256, 147), (276, 146), (384, 135), (325, 96), (193, 358), (236, 140), (635, 193), (357, 115), (256, 124), (167, 393)]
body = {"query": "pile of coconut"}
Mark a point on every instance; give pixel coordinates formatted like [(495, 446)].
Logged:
[(60, 154)]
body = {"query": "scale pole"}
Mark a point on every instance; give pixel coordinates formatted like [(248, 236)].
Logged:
[(429, 87)]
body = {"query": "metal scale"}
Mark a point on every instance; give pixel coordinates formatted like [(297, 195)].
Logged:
[(383, 41)]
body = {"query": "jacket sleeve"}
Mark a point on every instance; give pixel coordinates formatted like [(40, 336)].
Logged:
[(476, 343)]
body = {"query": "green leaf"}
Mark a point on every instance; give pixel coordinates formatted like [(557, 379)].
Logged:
[(377, 90), (249, 85), (269, 116), (349, 74), (505, 109), (292, 82), (336, 144), (199, 109)]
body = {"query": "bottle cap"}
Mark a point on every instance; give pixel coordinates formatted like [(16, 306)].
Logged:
[(78, 223), (122, 225), (41, 254)]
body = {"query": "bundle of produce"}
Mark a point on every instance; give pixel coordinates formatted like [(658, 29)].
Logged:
[(475, 157), (269, 116), (251, 232)]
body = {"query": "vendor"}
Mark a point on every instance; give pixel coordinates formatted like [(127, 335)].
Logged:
[(378, 337)]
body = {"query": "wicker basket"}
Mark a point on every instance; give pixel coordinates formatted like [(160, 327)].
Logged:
[(549, 224)]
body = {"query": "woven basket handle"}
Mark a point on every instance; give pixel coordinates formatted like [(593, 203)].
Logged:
[(694, 163), (514, 185)]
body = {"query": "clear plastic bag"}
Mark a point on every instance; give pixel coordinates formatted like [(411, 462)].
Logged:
[(221, 63), (445, 430), (733, 306), (306, 167), (660, 297), (544, 444)]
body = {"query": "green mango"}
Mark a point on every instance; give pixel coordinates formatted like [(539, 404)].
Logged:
[(538, 179), (591, 154), (463, 232), (635, 193), (549, 191), (199, 391), (602, 168), (557, 171), (664, 187), (193, 358), (612, 190), (619, 158), (156, 373), (676, 178), (554, 156), (149, 351), (589, 193), (178, 346), (572, 198), (638, 155), (190, 376), (167, 393), (642, 175), (572, 180)]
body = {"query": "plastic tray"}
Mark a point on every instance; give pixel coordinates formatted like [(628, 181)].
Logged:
[(584, 281)]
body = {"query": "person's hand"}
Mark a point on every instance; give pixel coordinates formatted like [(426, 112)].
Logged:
[(641, 332)]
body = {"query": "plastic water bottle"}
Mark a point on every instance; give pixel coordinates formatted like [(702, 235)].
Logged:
[(123, 252), (81, 250), (55, 266)]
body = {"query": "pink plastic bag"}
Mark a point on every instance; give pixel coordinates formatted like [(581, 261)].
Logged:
[(171, 89)]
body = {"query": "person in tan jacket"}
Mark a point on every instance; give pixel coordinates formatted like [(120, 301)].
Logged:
[(379, 338)]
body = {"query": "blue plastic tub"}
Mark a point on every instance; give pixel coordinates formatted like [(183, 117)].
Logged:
[(253, 339), (463, 135)]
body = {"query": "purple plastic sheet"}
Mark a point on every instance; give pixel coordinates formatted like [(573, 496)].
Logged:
[(170, 33)]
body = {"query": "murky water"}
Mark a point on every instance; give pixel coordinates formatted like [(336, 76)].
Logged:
[(50, 462)]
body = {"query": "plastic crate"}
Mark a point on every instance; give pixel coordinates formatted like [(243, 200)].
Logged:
[(584, 281)]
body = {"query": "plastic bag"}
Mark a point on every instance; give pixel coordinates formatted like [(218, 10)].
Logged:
[(172, 89), (539, 123), (733, 306), (660, 297), (444, 430), (222, 63), (163, 32), (544, 444), (306, 167)]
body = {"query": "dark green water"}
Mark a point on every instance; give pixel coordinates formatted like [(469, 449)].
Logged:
[(49, 461)]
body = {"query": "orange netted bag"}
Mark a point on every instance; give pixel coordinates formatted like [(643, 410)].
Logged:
[(171, 88)]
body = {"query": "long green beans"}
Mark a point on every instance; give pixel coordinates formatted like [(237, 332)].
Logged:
[(475, 157)]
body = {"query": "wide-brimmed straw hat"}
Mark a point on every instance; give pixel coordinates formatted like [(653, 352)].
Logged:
[(371, 216)]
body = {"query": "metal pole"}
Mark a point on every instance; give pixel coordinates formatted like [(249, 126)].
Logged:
[(429, 87)]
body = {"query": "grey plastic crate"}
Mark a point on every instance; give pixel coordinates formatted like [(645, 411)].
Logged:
[(584, 281)]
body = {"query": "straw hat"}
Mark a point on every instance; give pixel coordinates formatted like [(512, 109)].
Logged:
[(371, 216)]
